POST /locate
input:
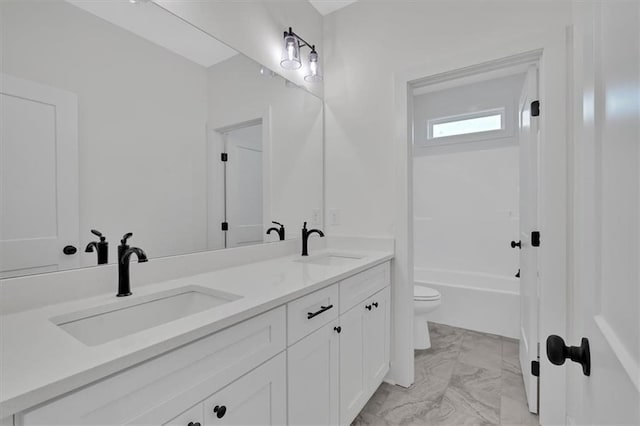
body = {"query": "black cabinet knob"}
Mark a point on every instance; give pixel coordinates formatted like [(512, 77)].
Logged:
[(220, 411), (193, 424), (375, 304), (368, 307), (518, 244), (558, 352), (69, 250), (338, 329)]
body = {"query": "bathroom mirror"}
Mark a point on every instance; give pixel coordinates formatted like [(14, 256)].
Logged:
[(117, 116)]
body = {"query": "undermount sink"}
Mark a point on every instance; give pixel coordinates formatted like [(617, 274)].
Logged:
[(119, 319), (330, 259)]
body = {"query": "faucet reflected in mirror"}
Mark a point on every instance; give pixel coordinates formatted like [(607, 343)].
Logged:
[(280, 231), (101, 247), (124, 256), (305, 238)]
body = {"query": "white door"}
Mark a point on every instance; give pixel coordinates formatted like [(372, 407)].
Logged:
[(38, 177), (376, 339), (258, 398), (528, 139), (244, 186), (353, 379), (606, 289), (313, 376)]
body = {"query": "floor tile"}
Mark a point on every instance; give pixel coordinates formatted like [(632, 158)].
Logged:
[(475, 392), (465, 378), (481, 350)]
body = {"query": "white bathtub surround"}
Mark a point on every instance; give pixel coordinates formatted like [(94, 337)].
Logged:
[(41, 361), (480, 302)]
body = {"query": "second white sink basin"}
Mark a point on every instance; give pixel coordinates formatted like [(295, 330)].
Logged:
[(330, 259), (115, 320)]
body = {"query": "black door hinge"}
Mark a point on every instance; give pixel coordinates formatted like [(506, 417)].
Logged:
[(535, 239), (535, 368), (224, 226), (224, 156), (535, 108)]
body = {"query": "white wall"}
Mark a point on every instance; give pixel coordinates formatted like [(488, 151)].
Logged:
[(466, 195), (371, 47), (369, 42), (142, 117), (256, 28)]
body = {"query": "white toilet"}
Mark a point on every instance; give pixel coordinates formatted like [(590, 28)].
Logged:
[(425, 300)]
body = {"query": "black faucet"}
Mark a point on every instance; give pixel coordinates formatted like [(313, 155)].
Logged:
[(305, 238), (279, 231), (101, 247), (124, 254)]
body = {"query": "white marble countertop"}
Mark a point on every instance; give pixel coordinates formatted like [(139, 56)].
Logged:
[(40, 361)]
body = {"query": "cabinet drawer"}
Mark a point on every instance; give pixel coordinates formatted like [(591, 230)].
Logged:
[(169, 384), (359, 287), (310, 312)]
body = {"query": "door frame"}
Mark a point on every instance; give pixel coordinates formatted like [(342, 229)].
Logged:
[(554, 49), (216, 144)]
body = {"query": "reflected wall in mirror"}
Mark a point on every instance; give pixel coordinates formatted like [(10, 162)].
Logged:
[(114, 116)]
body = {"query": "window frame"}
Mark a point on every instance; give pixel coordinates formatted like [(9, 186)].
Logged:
[(505, 131)]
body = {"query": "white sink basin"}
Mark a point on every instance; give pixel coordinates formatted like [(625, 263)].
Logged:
[(330, 259), (115, 320)]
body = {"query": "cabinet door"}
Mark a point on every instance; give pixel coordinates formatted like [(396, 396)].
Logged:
[(313, 378), (258, 398), (377, 326), (194, 416), (353, 379)]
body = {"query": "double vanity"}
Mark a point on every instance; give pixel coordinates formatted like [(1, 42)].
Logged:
[(291, 340)]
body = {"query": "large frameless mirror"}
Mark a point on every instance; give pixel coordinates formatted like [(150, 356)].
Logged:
[(120, 117)]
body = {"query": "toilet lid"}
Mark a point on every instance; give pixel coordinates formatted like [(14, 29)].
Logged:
[(425, 293)]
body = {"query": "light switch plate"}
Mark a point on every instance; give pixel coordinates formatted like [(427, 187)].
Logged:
[(315, 217), (334, 216)]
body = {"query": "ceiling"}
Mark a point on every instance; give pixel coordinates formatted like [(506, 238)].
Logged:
[(158, 26), (327, 6)]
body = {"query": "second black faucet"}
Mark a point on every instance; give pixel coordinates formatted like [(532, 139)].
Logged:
[(124, 255), (305, 238)]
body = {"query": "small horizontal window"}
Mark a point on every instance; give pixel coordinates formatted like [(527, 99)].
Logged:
[(486, 121)]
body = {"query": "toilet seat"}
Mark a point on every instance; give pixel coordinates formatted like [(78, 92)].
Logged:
[(425, 293)]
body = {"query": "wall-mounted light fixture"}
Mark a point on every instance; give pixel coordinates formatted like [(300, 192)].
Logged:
[(291, 56)]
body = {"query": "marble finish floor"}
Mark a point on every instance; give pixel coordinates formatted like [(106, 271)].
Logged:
[(465, 378)]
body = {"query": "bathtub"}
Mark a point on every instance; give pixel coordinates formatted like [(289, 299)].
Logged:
[(475, 301)]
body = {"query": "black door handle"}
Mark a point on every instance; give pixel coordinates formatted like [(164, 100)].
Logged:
[(558, 352), (69, 250), (322, 309), (220, 411), (518, 244)]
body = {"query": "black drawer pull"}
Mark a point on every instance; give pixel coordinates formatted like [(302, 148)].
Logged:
[(375, 304), (220, 411), (322, 309)]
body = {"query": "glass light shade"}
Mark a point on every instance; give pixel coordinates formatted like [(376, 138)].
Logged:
[(314, 75), (290, 53)]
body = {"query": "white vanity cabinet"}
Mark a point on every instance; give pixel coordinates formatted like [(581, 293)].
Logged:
[(364, 352), (314, 378), (334, 371), (316, 360)]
